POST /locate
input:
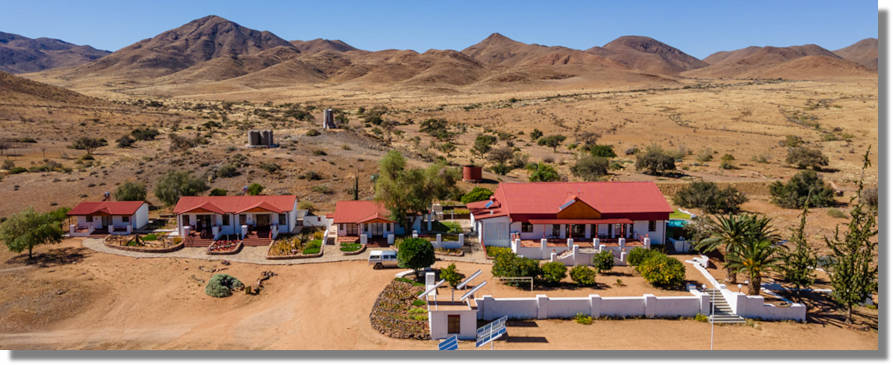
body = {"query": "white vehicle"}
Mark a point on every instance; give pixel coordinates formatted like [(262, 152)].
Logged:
[(382, 258)]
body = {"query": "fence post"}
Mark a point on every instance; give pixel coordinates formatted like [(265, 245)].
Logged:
[(595, 305), (650, 302), (542, 306)]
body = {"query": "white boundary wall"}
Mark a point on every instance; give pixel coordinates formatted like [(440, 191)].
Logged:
[(543, 307)]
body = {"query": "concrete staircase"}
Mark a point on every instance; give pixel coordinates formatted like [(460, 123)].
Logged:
[(722, 312)]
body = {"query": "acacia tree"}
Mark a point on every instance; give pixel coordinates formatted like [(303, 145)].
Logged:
[(130, 191), (553, 141), (175, 184), (655, 161), (853, 270), (28, 228), (406, 192), (798, 264)]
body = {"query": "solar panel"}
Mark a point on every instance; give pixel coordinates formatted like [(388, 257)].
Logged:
[(472, 291), (449, 344), (489, 203), (468, 279), (431, 289)]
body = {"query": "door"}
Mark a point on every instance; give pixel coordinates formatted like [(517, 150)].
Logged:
[(377, 229), (453, 324), (262, 220), (106, 221)]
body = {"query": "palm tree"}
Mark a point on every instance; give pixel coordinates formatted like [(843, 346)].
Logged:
[(754, 258), (731, 232)]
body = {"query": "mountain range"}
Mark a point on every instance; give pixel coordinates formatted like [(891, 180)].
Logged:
[(213, 49)]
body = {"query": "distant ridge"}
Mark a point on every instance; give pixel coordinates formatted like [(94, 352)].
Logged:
[(319, 45), (778, 62), (863, 52), (20, 54), (19, 89)]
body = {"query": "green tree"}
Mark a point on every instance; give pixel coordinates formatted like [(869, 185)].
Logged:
[(535, 134), (709, 197), (732, 232), (483, 143), (175, 184), (507, 264), (501, 155), (451, 275), (655, 161), (603, 261), (602, 150), (590, 168), (755, 259), (553, 141), (554, 272), (130, 191), (477, 194), (415, 254), (662, 271), (89, 144), (542, 172), (406, 192), (853, 269), (805, 157), (125, 141), (583, 275), (217, 192), (805, 188), (254, 189), (798, 264), (28, 228)]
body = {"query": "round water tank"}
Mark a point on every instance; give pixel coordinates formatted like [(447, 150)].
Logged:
[(471, 173)]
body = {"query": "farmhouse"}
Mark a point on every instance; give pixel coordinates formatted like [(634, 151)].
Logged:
[(202, 219), (111, 217), (562, 214), (366, 220)]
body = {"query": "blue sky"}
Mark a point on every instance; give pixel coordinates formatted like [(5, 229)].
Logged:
[(696, 27)]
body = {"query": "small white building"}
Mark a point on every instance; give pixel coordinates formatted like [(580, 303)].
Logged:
[(108, 217)]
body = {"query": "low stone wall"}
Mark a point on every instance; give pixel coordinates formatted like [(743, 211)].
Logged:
[(230, 252), (147, 249), (543, 307), (357, 252)]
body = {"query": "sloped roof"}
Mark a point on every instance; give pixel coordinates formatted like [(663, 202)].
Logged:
[(360, 211), (107, 208), (548, 198), (235, 204)]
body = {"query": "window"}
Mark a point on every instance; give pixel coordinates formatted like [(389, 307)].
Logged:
[(226, 219), (243, 219), (125, 219), (652, 226), (579, 230), (556, 230), (526, 227), (351, 229), (282, 219), (453, 323)]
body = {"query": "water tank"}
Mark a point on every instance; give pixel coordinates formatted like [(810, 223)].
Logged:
[(267, 138), (471, 173), (254, 138)]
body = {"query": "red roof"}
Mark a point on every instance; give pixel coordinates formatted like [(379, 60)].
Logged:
[(581, 221), (360, 211), (236, 204), (642, 200), (107, 208)]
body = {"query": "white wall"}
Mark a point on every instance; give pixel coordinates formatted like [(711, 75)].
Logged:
[(495, 231), (544, 307), (437, 323), (141, 218)]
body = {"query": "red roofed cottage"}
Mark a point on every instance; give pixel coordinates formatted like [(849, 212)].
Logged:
[(112, 217), (356, 218), (211, 217), (589, 213)]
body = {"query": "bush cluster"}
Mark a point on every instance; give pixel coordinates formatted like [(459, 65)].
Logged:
[(662, 271), (222, 285), (709, 197)]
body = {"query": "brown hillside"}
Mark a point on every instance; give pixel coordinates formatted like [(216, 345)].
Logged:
[(750, 61), (863, 52), (19, 54), (14, 89), (319, 45), (812, 68), (647, 55), (198, 41)]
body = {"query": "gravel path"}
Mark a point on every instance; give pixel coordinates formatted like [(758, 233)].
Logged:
[(258, 255)]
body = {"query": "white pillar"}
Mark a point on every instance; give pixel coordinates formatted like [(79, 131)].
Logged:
[(439, 240), (647, 242), (415, 234), (390, 238), (72, 228), (461, 239), (363, 239), (570, 243)]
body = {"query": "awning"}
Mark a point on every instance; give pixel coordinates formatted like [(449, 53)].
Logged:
[(582, 221)]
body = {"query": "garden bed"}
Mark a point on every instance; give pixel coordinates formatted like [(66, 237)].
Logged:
[(349, 248), (453, 252), (138, 243), (224, 247), (398, 314), (295, 247)]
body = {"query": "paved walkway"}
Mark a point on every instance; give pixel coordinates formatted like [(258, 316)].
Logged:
[(258, 255)]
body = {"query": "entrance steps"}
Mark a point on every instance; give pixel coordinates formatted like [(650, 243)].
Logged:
[(722, 312)]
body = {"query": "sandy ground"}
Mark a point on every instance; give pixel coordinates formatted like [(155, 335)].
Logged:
[(157, 303)]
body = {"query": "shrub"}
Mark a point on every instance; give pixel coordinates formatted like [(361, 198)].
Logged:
[(655, 161), (175, 184), (306, 205), (590, 168), (451, 275), (709, 197), (222, 285), (322, 189), (144, 134), (553, 272), (8, 164), (553, 141), (542, 172), (706, 155), (794, 193), (791, 141), (88, 143), (870, 197), (836, 213), (583, 318), (17, 170), (226, 170), (603, 261), (535, 134), (270, 167), (476, 194), (125, 141), (507, 264), (437, 128), (254, 189), (583, 275), (313, 133), (217, 192), (494, 251), (418, 303), (804, 157), (662, 271), (602, 150), (483, 143), (700, 317), (130, 191), (313, 247), (639, 255)]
